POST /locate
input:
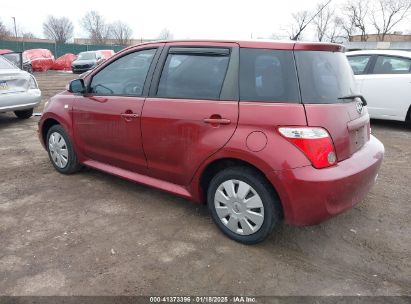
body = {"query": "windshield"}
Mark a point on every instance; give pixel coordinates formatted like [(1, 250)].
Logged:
[(86, 56), (5, 64), (324, 76)]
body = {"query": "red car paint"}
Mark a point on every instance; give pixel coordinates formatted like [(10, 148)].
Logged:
[(169, 143)]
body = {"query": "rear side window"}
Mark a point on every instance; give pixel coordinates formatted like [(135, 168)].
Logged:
[(325, 77), (359, 63), (268, 75), (392, 65), (196, 76)]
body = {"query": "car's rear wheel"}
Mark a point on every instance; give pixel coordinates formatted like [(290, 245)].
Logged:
[(61, 151), (243, 204), (24, 114)]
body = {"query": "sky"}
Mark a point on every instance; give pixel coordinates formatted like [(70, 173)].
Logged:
[(209, 19), (213, 19)]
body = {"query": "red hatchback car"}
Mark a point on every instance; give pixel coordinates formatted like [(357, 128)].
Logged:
[(259, 131)]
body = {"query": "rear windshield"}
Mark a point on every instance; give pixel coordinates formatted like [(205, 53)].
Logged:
[(324, 76), (5, 64)]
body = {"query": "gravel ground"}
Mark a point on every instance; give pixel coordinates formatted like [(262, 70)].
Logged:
[(95, 234)]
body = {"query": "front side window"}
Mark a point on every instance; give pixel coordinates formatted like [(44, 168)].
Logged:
[(392, 65), (125, 76), (268, 75), (194, 76), (359, 63)]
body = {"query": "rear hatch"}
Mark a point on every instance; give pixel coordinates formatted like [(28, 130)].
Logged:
[(328, 93)]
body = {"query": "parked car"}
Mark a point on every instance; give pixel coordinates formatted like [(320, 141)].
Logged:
[(21, 61), (19, 91), (384, 79), (230, 124), (86, 61), (107, 53), (41, 60)]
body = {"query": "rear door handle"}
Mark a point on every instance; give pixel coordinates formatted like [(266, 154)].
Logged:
[(217, 121), (129, 115)]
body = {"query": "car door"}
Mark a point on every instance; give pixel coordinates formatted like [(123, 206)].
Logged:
[(107, 118), (387, 88), (192, 109)]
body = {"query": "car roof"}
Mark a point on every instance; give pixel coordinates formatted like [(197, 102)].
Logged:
[(263, 44), (381, 52)]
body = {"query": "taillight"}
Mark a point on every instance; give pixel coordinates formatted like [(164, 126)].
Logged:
[(33, 83), (316, 144)]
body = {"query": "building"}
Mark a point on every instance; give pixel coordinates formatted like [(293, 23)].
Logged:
[(396, 41), (396, 37)]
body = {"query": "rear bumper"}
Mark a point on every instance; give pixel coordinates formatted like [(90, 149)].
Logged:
[(20, 101), (310, 196)]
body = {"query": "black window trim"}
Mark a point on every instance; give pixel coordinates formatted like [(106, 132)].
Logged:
[(371, 71), (147, 81), (230, 88)]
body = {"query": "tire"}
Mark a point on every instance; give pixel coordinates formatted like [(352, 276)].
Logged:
[(24, 114), (61, 151), (263, 204), (408, 118)]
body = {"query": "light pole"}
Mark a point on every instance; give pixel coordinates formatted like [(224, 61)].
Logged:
[(15, 33), (15, 27)]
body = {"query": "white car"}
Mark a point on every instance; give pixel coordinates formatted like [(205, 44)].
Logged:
[(19, 92), (384, 79)]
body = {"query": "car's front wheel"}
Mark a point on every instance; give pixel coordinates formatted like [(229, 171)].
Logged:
[(243, 204), (24, 114), (61, 151)]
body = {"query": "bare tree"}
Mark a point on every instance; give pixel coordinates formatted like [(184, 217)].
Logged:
[(347, 27), (303, 18), (336, 31), (58, 29), (301, 21), (4, 32), (389, 14), (323, 21), (165, 34), (357, 12), (95, 25), (121, 33)]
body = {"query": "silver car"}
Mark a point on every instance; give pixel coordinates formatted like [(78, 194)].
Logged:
[(19, 91)]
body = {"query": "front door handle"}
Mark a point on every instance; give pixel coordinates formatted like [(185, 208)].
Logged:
[(217, 121)]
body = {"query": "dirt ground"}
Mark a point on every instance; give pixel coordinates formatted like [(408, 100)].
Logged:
[(95, 234)]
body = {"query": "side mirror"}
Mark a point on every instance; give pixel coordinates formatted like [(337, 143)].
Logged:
[(77, 86)]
